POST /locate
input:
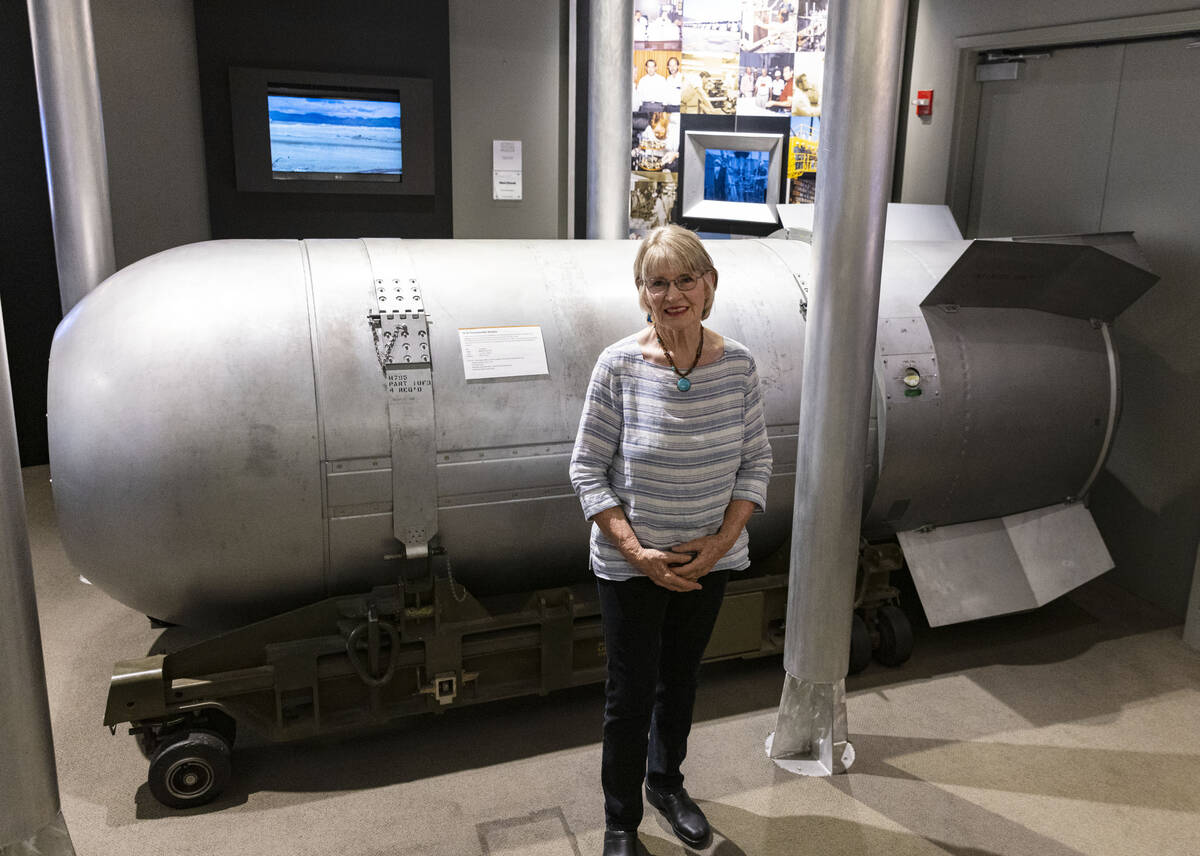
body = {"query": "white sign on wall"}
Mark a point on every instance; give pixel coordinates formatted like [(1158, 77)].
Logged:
[(494, 352), (506, 169)]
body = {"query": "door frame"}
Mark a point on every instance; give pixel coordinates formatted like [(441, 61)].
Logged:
[(968, 93)]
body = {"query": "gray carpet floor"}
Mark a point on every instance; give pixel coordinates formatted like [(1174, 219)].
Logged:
[(1074, 729)]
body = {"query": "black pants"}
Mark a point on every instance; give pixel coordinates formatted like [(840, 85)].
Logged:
[(654, 638)]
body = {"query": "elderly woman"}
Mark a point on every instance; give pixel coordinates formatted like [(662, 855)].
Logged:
[(670, 461)]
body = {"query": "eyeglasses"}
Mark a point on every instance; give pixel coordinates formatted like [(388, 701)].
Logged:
[(683, 282)]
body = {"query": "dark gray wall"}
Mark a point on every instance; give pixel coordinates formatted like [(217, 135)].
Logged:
[(508, 82), (150, 95), (405, 38), (28, 277), (1149, 503)]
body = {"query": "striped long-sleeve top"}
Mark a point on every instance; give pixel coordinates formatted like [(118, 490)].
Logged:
[(672, 460)]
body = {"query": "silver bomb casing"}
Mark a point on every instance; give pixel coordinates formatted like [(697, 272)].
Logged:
[(221, 446)]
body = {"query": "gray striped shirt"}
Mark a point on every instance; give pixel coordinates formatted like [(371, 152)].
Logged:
[(672, 460)]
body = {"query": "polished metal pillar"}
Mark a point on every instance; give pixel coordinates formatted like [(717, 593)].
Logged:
[(30, 819), (858, 128), (64, 58), (610, 95)]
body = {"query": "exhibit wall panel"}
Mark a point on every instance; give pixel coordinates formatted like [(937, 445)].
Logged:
[(506, 83), (728, 60), (150, 96)]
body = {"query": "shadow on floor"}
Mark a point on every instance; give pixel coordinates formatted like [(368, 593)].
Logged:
[(738, 832), (1059, 632), (1154, 780), (951, 823), (410, 749), (522, 728)]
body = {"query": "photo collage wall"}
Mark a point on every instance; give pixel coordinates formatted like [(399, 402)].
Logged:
[(721, 57)]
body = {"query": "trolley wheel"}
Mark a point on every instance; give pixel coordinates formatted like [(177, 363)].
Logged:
[(860, 645), (190, 770), (151, 735), (895, 636)]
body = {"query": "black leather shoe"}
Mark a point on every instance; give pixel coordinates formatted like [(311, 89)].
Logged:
[(621, 842), (687, 821)]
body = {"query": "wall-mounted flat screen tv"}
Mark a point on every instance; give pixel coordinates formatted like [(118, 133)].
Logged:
[(313, 132), (336, 138), (736, 176)]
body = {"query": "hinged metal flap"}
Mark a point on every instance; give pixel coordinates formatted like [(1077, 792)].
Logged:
[(1006, 564), (401, 332), (1120, 244), (402, 340), (1073, 279)]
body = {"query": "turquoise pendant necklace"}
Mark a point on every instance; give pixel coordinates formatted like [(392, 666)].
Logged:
[(683, 383)]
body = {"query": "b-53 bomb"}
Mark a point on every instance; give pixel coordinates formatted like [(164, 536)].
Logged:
[(224, 444), (361, 446)]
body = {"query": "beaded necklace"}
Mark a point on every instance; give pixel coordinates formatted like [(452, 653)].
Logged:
[(683, 383)]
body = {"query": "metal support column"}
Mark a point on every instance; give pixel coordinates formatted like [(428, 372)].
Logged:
[(858, 127), (30, 819), (610, 87), (1191, 625), (64, 59)]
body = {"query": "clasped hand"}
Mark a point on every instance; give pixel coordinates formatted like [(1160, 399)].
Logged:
[(679, 568)]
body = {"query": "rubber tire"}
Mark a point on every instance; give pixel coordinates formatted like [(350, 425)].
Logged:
[(190, 770), (210, 719), (860, 645), (895, 636), (147, 744)]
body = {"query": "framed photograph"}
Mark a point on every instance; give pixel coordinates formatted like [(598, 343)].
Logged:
[(655, 143), (769, 26), (656, 24), (732, 180), (651, 200), (812, 25), (766, 84), (712, 27), (802, 158), (657, 80), (710, 85), (806, 88)]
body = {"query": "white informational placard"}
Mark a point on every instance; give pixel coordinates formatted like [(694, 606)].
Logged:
[(492, 352), (506, 169)]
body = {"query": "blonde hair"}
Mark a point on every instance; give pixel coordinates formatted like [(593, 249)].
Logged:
[(674, 248)]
